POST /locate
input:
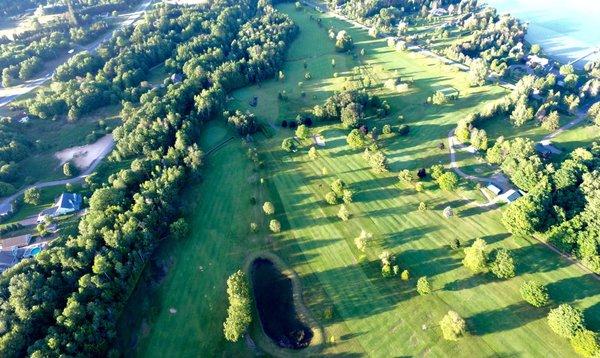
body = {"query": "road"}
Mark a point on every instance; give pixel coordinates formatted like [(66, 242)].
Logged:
[(7, 95)]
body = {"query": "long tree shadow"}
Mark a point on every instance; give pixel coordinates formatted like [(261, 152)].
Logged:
[(504, 319)]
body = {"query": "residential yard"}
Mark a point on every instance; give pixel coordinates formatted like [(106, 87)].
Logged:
[(371, 315)]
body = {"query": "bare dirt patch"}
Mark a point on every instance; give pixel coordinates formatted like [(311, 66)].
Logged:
[(83, 156)]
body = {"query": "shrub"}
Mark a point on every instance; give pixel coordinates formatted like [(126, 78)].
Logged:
[(455, 244), (288, 144), (387, 129), (453, 326), (565, 320), (422, 206), (405, 176), (254, 227), (337, 186), (436, 170), (534, 293)]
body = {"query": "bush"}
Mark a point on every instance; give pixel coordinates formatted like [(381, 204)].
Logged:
[(565, 320), (453, 326), (387, 129), (534, 293)]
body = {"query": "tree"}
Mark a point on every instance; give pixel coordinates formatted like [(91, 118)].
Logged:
[(312, 153), (565, 320), (453, 326), (343, 42), (377, 161), (476, 257), (585, 342), (288, 144), (534, 293), (448, 181), (275, 225), (32, 196), (239, 313), (405, 275), (436, 171), (179, 229), (337, 186), (302, 131), (503, 265), (347, 196), (268, 208), (479, 139), (535, 49), (362, 241), (69, 169), (387, 129), (405, 176), (331, 198), (552, 121), (439, 98), (478, 72), (422, 206), (343, 213), (356, 139), (423, 287), (521, 114), (351, 115)]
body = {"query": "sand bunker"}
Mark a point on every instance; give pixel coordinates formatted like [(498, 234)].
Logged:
[(82, 157)]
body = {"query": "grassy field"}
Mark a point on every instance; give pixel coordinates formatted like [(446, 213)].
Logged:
[(372, 316)]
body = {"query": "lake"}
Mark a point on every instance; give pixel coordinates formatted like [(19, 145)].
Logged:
[(566, 30)]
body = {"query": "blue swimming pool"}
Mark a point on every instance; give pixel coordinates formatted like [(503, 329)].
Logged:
[(35, 251)]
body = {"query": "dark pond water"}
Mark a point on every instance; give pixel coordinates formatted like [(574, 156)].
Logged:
[(273, 293)]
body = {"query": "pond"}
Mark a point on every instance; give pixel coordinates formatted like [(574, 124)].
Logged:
[(273, 293)]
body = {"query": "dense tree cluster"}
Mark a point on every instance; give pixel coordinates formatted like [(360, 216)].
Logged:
[(67, 299), (348, 107), (239, 313)]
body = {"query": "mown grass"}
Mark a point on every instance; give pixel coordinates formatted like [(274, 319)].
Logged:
[(371, 315)]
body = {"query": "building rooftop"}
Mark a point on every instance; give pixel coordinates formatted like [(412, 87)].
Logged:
[(69, 201)]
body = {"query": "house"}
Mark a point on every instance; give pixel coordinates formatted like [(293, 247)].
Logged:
[(66, 204), (176, 78), (6, 209), (438, 12), (494, 189), (16, 241), (11, 257), (511, 195), (534, 61)]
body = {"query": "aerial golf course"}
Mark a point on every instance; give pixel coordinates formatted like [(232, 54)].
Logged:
[(180, 304)]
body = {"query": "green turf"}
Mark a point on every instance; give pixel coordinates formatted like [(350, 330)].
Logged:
[(372, 316)]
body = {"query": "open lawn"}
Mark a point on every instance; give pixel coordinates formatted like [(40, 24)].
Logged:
[(371, 315)]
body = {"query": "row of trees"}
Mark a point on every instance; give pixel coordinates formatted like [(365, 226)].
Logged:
[(67, 299)]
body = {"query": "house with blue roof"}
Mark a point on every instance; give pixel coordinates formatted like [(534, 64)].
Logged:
[(66, 204)]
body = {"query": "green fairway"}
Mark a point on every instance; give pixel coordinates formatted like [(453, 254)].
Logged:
[(179, 305)]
